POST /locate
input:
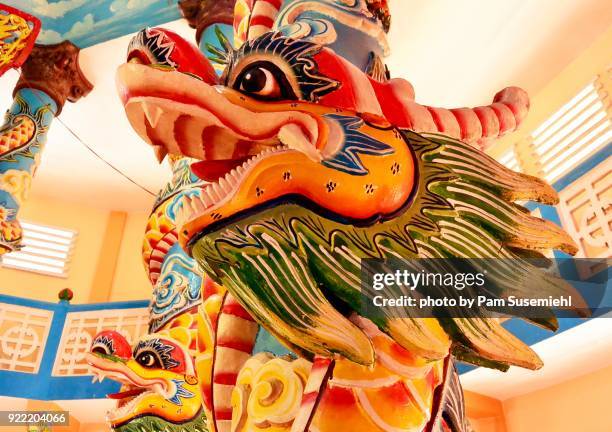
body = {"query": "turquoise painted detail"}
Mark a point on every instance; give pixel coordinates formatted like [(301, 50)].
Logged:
[(265, 342), (328, 23), (209, 37), (177, 290)]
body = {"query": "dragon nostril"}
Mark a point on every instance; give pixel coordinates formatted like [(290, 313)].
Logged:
[(99, 350)]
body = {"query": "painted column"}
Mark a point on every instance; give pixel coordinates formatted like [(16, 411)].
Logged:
[(207, 17), (21, 142), (49, 77)]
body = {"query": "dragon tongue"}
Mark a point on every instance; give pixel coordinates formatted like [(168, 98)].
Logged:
[(212, 170), (127, 393)]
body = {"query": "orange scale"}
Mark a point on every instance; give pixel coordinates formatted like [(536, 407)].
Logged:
[(393, 407), (397, 352), (339, 410), (347, 370)]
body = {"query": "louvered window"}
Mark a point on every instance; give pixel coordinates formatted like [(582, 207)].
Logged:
[(576, 131), (46, 250)]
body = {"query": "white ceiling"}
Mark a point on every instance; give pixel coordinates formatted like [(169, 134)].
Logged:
[(463, 52), (455, 54)]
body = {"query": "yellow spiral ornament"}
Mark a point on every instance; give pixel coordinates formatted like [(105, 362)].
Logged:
[(268, 393)]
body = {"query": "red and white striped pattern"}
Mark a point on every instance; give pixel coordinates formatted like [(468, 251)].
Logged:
[(235, 340), (472, 125), (263, 16), (317, 380), (242, 15), (158, 254)]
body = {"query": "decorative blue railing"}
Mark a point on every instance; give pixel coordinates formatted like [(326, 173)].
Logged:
[(42, 345)]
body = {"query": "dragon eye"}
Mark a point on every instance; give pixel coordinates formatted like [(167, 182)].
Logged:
[(259, 81), (264, 80), (149, 360), (157, 353)]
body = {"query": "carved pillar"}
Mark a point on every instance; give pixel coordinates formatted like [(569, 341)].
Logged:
[(50, 76)]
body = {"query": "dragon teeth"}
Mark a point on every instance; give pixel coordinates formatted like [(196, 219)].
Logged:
[(215, 192), (153, 113), (181, 215), (207, 199), (225, 185), (232, 178), (194, 203), (200, 206)]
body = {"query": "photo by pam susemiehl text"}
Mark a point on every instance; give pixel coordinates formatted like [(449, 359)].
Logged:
[(529, 288)]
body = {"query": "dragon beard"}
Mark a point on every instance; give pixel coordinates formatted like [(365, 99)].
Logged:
[(297, 268), (153, 423)]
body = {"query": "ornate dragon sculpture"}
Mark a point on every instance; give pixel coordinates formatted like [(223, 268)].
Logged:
[(308, 160)]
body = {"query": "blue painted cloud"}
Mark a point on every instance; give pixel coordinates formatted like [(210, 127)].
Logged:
[(52, 9), (89, 22)]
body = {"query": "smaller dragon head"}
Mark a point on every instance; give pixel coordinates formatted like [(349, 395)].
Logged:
[(159, 387)]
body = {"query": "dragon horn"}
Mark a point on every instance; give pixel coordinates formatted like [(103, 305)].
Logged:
[(471, 125)]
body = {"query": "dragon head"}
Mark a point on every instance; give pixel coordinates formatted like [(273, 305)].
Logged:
[(159, 387), (278, 126), (313, 165)]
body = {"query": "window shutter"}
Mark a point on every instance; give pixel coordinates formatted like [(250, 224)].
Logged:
[(46, 250)]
